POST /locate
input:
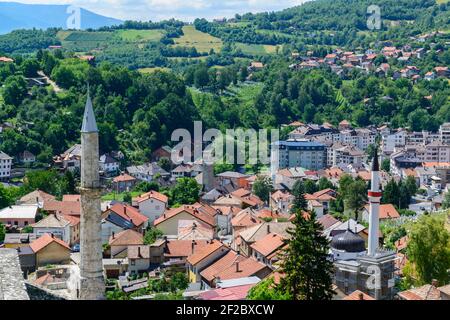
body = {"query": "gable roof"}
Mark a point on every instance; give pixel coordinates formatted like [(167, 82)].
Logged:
[(386, 211), (231, 293), (358, 295), (151, 195), (63, 207), (426, 292), (51, 221), (191, 210), (183, 248), (40, 243), (36, 196), (204, 252), (127, 212), (259, 231), (124, 177), (126, 238), (194, 230), (19, 212), (268, 244), (232, 266), (245, 218)]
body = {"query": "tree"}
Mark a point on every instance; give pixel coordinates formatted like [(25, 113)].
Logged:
[(446, 202), (306, 265), (324, 183), (357, 197), (391, 193), (429, 249), (145, 186), (185, 191), (178, 281), (151, 234), (14, 90), (267, 290), (411, 185), (127, 197), (310, 186), (164, 163), (386, 165), (2, 232), (299, 203), (262, 187)]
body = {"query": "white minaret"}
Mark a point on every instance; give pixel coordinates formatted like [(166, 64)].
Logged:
[(92, 285), (374, 196)]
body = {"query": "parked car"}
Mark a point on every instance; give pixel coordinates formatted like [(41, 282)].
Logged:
[(76, 248)]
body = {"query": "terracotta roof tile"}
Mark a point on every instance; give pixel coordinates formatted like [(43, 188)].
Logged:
[(128, 213), (358, 295), (194, 212), (127, 237), (269, 244), (202, 253), (151, 195), (40, 243)]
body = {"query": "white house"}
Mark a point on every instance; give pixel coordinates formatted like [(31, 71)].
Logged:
[(108, 164), (151, 204), (27, 157), (53, 224), (19, 216), (5, 166)]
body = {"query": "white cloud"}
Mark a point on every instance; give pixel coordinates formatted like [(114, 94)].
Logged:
[(180, 9)]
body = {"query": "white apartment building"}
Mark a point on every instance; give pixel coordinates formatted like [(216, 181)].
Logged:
[(5, 166), (444, 133)]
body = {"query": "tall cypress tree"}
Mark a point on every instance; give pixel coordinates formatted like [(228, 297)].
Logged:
[(306, 265), (299, 203)]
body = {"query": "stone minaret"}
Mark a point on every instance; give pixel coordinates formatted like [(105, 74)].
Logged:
[(374, 196), (92, 286)]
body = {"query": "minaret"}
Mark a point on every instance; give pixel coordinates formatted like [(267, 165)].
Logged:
[(374, 196), (92, 285)]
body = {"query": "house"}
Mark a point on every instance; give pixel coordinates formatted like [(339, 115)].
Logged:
[(19, 216), (386, 211), (108, 164), (27, 157), (148, 172), (5, 166), (426, 292), (64, 227), (430, 76), (328, 223), (138, 258), (238, 180), (281, 201), (122, 217), (71, 208), (37, 197), (194, 230), (224, 217), (442, 71), (70, 159), (162, 152), (120, 242), (151, 204), (231, 290), (204, 257), (6, 60), (50, 250), (16, 240), (266, 249), (255, 66), (324, 197), (232, 266), (27, 259), (168, 222), (249, 236), (243, 220), (123, 182), (178, 250)]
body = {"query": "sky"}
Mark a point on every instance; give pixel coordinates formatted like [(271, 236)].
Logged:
[(186, 10)]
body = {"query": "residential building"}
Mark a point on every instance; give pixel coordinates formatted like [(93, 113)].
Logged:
[(123, 182), (5, 166), (387, 211), (120, 242), (109, 164), (151, 204), (27, 157), (305, 154), (147, 172), (19, 216), (50, 250), (63, 227), (266, 249), (203, 258)]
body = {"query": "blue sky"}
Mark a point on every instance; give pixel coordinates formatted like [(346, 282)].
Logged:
[(186, 10)]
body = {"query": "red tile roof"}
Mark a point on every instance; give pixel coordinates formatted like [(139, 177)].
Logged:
[(231, 293), (128, 213), (183, 248), (40, 243), (269, 244), (63, 207), (123, 178), (194, 212), (151, 195), (127, 237), (358, 295), (206, 251), (227, 268)]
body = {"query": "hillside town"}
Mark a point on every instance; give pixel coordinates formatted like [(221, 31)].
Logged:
[(230, 236)]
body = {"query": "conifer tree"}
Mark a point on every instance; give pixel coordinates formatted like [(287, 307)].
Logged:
[(299, 203), (306, 265)]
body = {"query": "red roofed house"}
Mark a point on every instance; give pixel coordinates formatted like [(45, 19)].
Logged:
[(323, 197), (230, 293), (233, 266), (151, 204), (120, 242), (387, 211), (358, 295), (122, 217), (124, 182), (204, 257), (50, 250), (281, 201), (168, 222), (266, 249)]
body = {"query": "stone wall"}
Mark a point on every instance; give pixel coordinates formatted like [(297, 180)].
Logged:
[(12, 284)]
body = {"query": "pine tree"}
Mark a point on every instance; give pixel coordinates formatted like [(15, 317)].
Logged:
[(306, 265), (299, 203)]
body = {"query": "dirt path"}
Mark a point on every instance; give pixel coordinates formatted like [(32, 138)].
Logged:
[(50, 82)]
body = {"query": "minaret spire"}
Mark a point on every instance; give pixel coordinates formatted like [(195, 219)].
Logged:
[(374, 196), (92, 286)]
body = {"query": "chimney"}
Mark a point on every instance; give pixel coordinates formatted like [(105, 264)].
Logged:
[(268, 228), (139, 252), (434, 283), (52, 235), (124, 210), (113, 235), (192, 246), (237, 266), (37, 199), (361, 296)]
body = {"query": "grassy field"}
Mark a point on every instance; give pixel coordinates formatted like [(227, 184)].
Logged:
[(257, 49), (203, 42), (442, 1), (246, 93), (119, 196), (140, 35), (151, 70)]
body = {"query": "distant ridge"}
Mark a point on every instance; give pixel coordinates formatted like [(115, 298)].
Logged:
[(15, 15)]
